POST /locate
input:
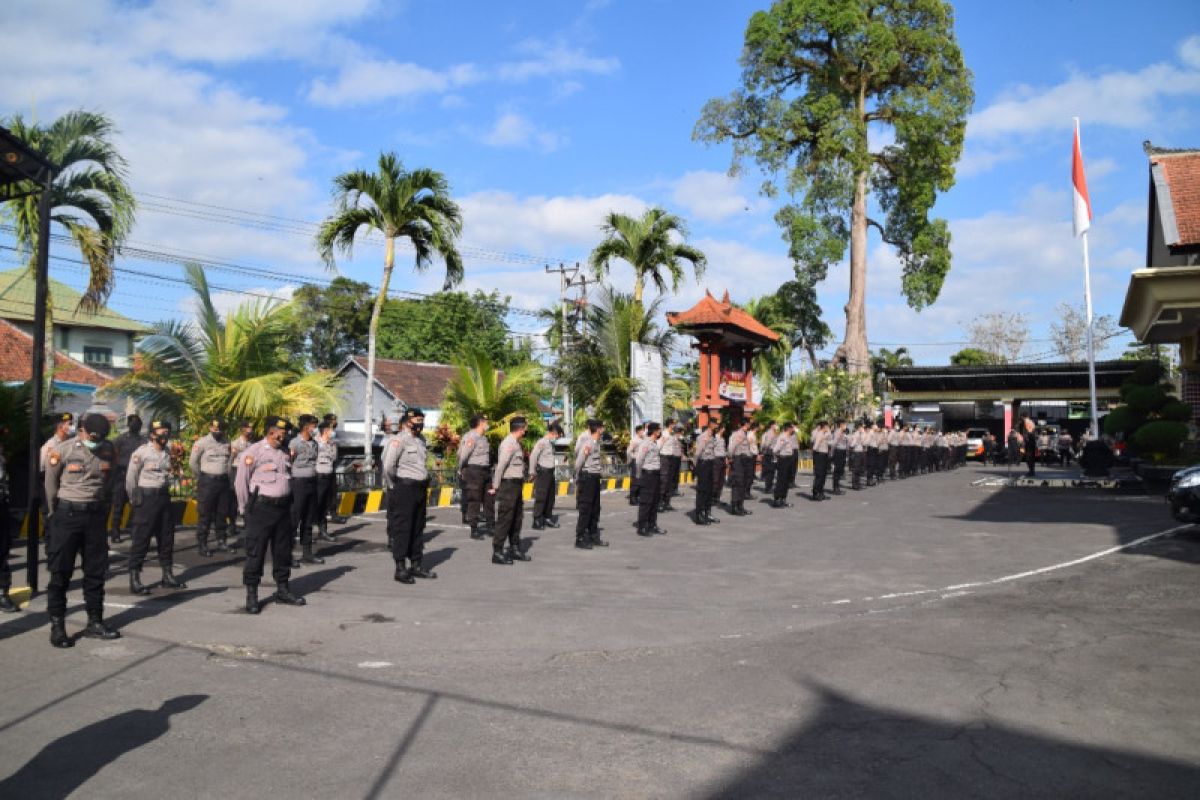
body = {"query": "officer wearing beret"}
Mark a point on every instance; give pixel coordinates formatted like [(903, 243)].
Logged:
[(330, 514), (78, 471), (648, 462), (64, 428), (148, 482), (404, 462), (210, 463), (264, 496)]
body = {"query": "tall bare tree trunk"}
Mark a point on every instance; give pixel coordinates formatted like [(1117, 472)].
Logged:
[(389, 260), (854, 349)]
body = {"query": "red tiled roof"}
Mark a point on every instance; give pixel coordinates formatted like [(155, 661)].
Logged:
[(16, 360), (416, 383), (724, 313), (1182, 172)]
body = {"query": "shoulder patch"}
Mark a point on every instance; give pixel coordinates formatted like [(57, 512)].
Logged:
[(394, 443), (248, 460), (54, 459)]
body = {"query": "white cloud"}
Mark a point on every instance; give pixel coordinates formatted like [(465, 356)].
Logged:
[(515, 130), (364, 80), (563, 227), (714, 196), (555, 58)]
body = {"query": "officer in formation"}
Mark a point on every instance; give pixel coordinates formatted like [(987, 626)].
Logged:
[(303, 449), (841, 447), (327, 455), (330, 513), (6, 527), (508, 483), (64, 428), (894, 438), (704, 456), (211, 462), (124, 445), (649, 472), (741, 468), (78, 473), (148, 482), (635, 441), (721, 467), (822, 450), (587, 486), (670, 452), (786, 449), (474, 463), (264, 495), (544, 485), (404, 462)]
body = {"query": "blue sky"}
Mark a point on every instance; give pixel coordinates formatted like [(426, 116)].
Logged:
[(546, 115)]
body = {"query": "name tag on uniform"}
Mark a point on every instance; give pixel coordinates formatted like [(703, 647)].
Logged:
[(268, 467), (74, 467)]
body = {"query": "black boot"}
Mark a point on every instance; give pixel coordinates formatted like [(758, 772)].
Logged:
[(698, 517), (58, 633), (252, 604), (516, 554), (202, 543), (538, 525), (417, 571), (6, 603), (550, 522), (657, 530), (222, 545), (116, 536), (643, 531), (284, 596), (97, 629), (401, 575), (711, 519), (501, 557), (583, 543), (169, 581), (309, 558), (596, 540), (477, 532), (135, 583), (323, 532)]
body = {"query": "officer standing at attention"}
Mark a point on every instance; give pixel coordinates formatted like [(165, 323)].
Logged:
[(649, 471), (474, 462), (64, 428), (6, 526), (124, 445), (670, 452), (148, 482), (327, 453), (76, 492), (720, 464), (303, 448), (544, 485), (508, 481), (587, 486), (787, 451), (635, 441), (405, 462), (893, 440), (210, 462), (703, 453), (841, 445), (264, 495), (741, 456), (822, 446), (768, 457), (330, 512)]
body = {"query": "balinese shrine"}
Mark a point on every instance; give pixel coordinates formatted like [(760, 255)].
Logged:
[(727, 339)]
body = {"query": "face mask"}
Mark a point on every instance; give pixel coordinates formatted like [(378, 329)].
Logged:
[(160, 440), (417, 427), (89, 444), (218, 435), (333, 436)]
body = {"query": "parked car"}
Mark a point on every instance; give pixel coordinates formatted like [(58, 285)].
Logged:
[(1184, 494), (975, 442)]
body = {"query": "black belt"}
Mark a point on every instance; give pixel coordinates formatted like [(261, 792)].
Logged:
[(542, 470), (71, 505), (412, 481), (278, 502), (312, 477), (644, 470), (214, 476), (512, 480)]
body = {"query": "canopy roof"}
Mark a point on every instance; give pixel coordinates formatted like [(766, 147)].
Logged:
[(1057, 381), (722, 318)]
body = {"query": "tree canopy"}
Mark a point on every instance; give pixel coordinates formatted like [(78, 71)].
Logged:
[(439, 327), (647, 244), (344, 308)]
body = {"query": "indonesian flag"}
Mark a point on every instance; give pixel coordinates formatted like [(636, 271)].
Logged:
[(1083, 206)]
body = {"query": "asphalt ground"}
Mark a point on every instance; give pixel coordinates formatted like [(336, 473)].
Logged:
[(925, 638)]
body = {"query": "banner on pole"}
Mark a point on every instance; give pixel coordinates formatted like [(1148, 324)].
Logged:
[(646, 404)]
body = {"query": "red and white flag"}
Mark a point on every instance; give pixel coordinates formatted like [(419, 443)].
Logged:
[(1083, 206)]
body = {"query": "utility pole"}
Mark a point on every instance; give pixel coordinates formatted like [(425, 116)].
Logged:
[(568, 277)]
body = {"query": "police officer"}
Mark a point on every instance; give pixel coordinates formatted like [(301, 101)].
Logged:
[(544, 485), (264, 496), (303, 448), (768, 457), (210, 461), (720, 464), (474, 463), (649, 471), (148, 482), (76, 490), (327, 454), (787, 452), (64, 428), (670, 452), (6, 526), (330, 512), (508, 481), (741, 457), (841, 445), (704, 456), (822, 448), (635, 441), (405, 462), (894, 438), (587, 486), (124, 445)]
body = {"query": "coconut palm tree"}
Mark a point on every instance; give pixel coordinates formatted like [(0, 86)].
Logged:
[(233, 368), (397, 204), (770, 364), (647, 245), (885, 359), (479, 388)]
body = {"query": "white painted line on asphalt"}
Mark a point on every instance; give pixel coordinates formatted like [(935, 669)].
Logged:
[(374, 664)]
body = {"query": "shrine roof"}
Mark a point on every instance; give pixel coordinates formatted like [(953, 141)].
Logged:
[(720, 314)]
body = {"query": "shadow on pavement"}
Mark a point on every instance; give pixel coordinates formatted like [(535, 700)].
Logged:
[(160, 600), (850, 749), (309, 582), (70, 761), (435, 558)]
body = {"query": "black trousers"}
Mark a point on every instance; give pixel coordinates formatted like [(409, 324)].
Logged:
[(634, 486), (544, 491), (839, 468), (74, 531), (153, 517), (785, 473), (510, 507), (737, 479), (477, 479), (215, 503), (326, 494), (304, 507), (704, 484), (718, 484), (648, 498), (268, 525), (893, 461), (587, 500), (768, 471), (6, 526), (670, 476), (857, 467), (820, 471), (119, 499), (406, 519)]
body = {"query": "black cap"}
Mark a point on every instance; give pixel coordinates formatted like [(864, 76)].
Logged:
[(279, 423), (159, 423), (97, 425)]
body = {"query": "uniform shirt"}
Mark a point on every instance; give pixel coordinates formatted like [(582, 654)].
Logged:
[(50, 444), (718, 446), (821, 442), (841, 440), (587, 454), (304, 457), (236, 448), (149, 468), (263, 469), (894, 438), (474, 450), (631, 451), (785, 445), (752, 438), (211, 457), (883, 439), (510, 462), (542, 456), (706, 446), (739, 444), (768, 442), (77, 474), (326, 457), (405, 457), (857, 440), (669, 445), (647, 457), (125, 444)]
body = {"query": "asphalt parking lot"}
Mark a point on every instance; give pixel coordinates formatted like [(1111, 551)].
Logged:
[(923, 638)]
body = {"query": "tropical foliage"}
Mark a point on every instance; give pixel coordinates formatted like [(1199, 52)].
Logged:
[(233, 368), (434, 328), (829, 394), (479, 388), (648, 244), (883, 360), (770, 364)]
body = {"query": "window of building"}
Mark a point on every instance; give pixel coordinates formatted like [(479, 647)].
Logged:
[(97, 356)]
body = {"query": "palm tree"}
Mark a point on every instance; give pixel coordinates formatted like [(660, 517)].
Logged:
[(233, 368), (885, 359), (397, 204), (479, 388), (770, 364), (646, 244)]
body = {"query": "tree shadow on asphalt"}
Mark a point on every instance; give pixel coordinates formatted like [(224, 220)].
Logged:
[(1049, 507), (851, 749), (67, 763)]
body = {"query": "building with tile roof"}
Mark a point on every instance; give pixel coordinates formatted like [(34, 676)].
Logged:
[(398, 385), (74, 383)]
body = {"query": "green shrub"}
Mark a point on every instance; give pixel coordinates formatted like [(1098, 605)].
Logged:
[(1148, 373), (1146, 399), (1121, 420), (1176, 411), (1160, 439)]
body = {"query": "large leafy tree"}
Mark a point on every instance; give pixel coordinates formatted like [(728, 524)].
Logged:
[(236, 367), (797, 299), (478, 387), (842, 100), (652, 244), (437, 327), (344, 309), (397, 204)]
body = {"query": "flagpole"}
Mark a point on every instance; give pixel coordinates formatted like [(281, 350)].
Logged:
[(1087, 292)]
